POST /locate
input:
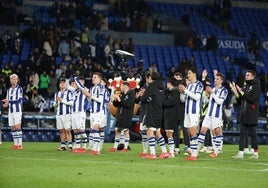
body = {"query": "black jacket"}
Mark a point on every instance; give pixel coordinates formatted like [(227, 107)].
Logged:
[(153, 100), (125, 109), (249, 103), (171, 108)]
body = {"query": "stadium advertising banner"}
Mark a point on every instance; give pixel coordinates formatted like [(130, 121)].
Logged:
[(233, 43)]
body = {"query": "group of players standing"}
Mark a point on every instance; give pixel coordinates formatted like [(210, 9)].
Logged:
[(157, 108)]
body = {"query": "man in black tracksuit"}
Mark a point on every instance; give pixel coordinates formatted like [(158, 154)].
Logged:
[(248, 97), (153, 99), (171, 112)]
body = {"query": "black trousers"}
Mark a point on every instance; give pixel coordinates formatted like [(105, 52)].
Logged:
[(245, 131), (177, 136)]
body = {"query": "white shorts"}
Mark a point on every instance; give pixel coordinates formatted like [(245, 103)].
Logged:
[(212, 122), (79, 120), (191, 120), (64, 121), (14, 118), (143, 127), (98, 119)]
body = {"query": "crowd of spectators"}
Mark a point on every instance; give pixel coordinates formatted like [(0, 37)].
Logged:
[(57, 52)]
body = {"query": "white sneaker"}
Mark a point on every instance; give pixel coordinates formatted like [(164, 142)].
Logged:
[(188, 152), (177, 151), (251, 151), (246, 151), (238, 156), (204, 149), (254, 156), (171, 155)]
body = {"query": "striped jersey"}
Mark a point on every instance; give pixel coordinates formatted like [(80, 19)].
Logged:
[(63, 108), (15, 98), (99, 99), (214, 109), (80, 101), (193, 106), (106, 99)]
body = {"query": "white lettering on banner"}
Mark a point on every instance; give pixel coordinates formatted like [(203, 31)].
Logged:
[(232, 44)]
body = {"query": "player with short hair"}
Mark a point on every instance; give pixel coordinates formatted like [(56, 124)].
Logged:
[(193, 93), (153, 99), (63, 101), (171, 105), (213, 118), (98, 111), (13, 100), (80, 106), (107, 95)]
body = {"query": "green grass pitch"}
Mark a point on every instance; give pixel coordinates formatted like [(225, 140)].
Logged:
[(39, 165)]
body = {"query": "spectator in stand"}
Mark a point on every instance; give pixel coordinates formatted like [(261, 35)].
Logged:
[(100, 44), (47, 48), (64, 49), (186, 18), (105, 23), (123, 45), (172, 71), (17, 43), (211, 43), (153, 68), (157, 25), (122, 26), (3, 87), (134, 23), (197, 43), (128, 22), (131, 46), (44, 81), (254, 44), (150, 23), (6, 70), (142, 23), (85, 37)]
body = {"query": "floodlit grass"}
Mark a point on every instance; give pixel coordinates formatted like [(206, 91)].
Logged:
[(40, 165)]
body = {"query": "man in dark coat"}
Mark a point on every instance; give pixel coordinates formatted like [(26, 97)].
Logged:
[(125, 104), (171, 105), (1, 112), (153, 99), (248, 97)]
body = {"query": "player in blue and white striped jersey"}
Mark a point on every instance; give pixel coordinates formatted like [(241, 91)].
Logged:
[(80, 105), (98, 111), (193, 103), (213, 119), (107, 95), (13, 100), (63, 102)]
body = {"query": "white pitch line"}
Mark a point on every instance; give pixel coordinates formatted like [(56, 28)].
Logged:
[(143, 164)]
